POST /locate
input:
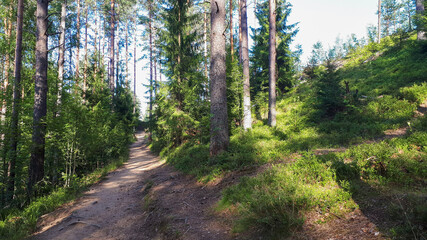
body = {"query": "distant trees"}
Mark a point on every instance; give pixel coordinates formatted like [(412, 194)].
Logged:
[(70, 128)]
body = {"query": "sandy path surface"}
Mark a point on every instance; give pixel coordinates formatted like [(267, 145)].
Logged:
[(111, 209)]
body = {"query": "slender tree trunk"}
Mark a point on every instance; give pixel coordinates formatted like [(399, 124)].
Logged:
[(421, 34), (78, 43), (134, 66), (231, 30), (127, 55), (247, 118), (150, 13), (218, 87), (111, 67), (379, 21), (86, 60), (8, 30), (61, 58), (95, 70), (36, 169), (118, 56), (240, 32), (272, 65), (205, 39), (16, 101)]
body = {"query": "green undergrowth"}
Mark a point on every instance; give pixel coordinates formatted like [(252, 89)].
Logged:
[(392, 171), (386, 84), (19, 223)]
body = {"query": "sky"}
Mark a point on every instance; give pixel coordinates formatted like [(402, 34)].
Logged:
[(319, 20)]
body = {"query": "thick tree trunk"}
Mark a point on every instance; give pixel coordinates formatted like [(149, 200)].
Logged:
[(16, 101), (379, 21), (231, 31), (111, 67), (78, 43), (421, 34), (36, 169), (247, 118), (272, 65), (219, 126)]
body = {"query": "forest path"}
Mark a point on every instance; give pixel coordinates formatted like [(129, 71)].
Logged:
[(144, 199)]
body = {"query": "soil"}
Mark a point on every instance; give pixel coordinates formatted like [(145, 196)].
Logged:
[(148, 199)]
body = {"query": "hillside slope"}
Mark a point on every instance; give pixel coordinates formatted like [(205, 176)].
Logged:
[(349, 147)]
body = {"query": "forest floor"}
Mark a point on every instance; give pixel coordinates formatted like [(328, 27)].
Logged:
[(148, 199)]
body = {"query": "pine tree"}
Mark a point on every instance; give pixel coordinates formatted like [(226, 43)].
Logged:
[(219, 126)]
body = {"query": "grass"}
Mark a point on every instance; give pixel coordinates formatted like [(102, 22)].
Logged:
[(19, 224), (387, 82)]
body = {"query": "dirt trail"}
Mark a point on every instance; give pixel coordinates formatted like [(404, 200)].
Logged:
[(144, 199), (111, 209)]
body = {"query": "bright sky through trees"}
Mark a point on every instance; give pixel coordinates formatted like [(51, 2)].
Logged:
[(319, 20), (324, 20)]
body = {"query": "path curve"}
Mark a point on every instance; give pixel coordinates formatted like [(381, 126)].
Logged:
[(111, 209)]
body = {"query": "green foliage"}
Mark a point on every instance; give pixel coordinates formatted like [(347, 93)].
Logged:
[(416, 93), (275, 200), (260, 51)]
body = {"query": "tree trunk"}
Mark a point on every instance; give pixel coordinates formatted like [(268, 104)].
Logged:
[(421, 34), (127, 54), (231, 31), (95, 67), (16, 101), (134, 66), (247, 118), (240, 32), (118, 56), (150, 13), (379, 21), (111, 67), (86, 60), (272, 65), (61, 58), (78, 43), (219, 126), (205, 39), (36, 169)]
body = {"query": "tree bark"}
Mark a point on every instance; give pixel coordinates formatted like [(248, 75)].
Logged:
[(219, 126), (127, 55), (86, 60), (240, 33), (36, 169), (150, 15), (379, 21), (111, 67), (231, 31), (61, 58), (421, 34), (272, 65), (205, 40), (16, 101), (134, 66), (78, 43), (247, 118)]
